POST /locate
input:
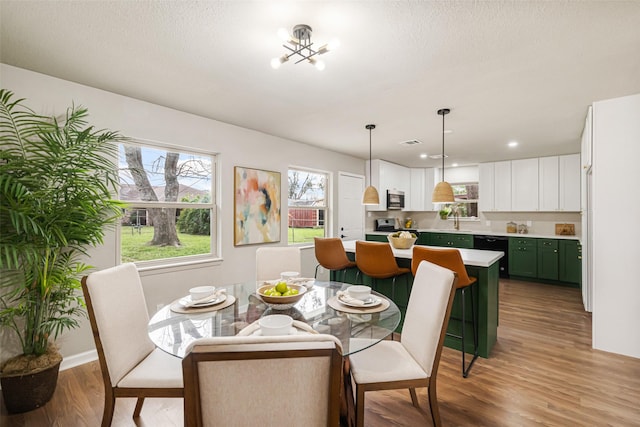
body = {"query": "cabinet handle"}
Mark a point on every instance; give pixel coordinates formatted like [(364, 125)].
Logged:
[(555, 251), (579, 257)]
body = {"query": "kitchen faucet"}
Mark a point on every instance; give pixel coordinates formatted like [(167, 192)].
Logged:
[(456, 218)]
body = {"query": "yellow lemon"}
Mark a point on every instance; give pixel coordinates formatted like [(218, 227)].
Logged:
[(281, 287)]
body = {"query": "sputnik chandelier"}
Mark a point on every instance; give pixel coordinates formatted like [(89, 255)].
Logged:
[(300, 47)]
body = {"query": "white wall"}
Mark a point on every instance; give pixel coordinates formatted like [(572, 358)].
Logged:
[(616, 235), (236, 147)]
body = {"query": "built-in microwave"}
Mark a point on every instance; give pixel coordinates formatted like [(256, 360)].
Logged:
[(395, 199)]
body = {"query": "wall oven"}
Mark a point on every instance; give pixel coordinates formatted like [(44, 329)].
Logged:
[(395, 199)]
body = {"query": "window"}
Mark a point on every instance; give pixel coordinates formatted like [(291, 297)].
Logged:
[(466, 197), (171, 204), (307, 205)]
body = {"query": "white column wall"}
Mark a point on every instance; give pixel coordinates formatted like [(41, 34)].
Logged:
[(616, 234), (236, 147)]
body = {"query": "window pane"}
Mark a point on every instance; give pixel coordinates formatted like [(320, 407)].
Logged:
[(306, 205), (152, 174), (153, 180), (139, 230), (306, 188)]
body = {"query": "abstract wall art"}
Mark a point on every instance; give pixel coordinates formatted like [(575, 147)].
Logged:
[(256, 206)]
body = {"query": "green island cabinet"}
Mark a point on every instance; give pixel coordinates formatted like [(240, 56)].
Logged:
[(548, 257), (486, 292), (523, 257), (376, 238)]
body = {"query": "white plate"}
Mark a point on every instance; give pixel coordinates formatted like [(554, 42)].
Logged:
[(371, 302), (186, 302), (292, 331)]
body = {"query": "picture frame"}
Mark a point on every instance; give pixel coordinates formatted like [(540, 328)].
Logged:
[(257, 206)]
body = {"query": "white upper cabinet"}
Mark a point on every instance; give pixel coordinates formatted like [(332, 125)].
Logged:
[(559, 183), (388, 176), (548, 187), (502, 186), (524, 185), (569, 184), (422, 180), (486, 187)]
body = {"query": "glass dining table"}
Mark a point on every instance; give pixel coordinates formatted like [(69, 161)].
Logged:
[(173, 332)]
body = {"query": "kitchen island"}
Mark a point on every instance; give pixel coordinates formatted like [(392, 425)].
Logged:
[(480, 264)]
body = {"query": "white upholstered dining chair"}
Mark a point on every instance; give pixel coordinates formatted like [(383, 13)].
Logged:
[(290, 380), (413, 361), (273, 260), (131, 364)]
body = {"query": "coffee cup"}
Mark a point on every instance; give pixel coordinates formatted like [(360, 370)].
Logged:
[(359, 292)]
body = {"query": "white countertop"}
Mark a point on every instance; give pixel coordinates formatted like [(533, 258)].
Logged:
[(482, 233), (472, 257)]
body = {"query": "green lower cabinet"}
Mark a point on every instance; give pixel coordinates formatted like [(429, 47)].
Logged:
[(523, 257), (548, 259), (452, 240), (423, 239), (376, 238), (570, 270)]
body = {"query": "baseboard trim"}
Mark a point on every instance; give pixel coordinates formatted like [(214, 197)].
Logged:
[(78, 359)]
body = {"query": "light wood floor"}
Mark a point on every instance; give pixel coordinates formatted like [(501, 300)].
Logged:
[(542, 371)]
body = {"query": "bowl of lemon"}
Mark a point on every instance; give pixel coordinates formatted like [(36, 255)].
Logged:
[(402, 239), (281, 295)]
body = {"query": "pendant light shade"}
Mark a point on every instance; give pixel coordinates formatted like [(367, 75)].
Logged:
[(443, 193), (370, 196)]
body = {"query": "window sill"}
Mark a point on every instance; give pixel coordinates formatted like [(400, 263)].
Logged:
[(173, 266)]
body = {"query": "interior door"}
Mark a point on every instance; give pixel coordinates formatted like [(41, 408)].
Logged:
[(350, 207)]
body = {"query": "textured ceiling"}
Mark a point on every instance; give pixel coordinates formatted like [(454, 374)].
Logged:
[(523, 70)]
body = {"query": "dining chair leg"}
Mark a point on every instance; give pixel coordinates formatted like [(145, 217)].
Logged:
[(315, 276), (109, 406), (138, 408), (464, 324), (433, 405), (414, 397), (359, 406)]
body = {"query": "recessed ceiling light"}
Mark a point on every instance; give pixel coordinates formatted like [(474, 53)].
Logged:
[(437, 156), (423, 155), (513, 144), (455, 165), (448, 131)]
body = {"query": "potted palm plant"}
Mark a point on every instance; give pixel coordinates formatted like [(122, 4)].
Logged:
[(57, 180)]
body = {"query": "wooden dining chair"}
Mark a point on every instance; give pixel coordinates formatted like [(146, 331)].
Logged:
[(450, 258), (376, 260), (131, 365), (273, 260), (413, 361), (289, 380), (331, 255)]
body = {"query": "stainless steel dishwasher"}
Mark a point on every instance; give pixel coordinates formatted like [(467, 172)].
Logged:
[(495, 243)]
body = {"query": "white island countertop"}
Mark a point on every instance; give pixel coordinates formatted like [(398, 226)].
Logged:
[(472, 257)]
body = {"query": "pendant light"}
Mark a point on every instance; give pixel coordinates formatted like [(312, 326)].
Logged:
[(370, 196), (443, 193)]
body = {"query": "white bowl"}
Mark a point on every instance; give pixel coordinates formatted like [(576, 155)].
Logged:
[(359, 292), (200, 292), (275, 324), (288, 275)]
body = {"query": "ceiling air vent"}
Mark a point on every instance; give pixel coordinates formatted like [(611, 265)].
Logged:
[(411, 142)]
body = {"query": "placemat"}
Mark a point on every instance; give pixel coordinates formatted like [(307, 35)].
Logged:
[(337, 305), (178, 308)]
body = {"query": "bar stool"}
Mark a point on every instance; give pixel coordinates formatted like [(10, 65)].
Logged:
[(331, 255), (376, 260), (451, 259)]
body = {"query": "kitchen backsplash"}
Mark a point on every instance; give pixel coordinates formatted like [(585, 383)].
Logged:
[(542, 223)]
